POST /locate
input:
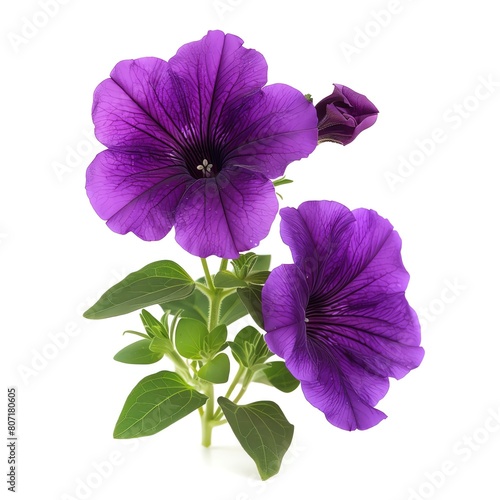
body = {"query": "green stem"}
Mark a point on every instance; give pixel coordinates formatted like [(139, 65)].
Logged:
[(215, 297), (208, 276), (223, 265), (203, 289), (180, 364), (207, 418), (244, 387), (219, 422), (214, 312), (239, 375)]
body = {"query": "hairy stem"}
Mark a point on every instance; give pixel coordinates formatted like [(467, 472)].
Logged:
[(207, 417), (215, 297)]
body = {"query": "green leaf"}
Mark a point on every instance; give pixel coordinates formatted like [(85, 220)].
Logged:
[(195, 306), (232, 309), (262, 430), (155, 283), (262, 263), (249, 347), (161, 345), (249, 263), (282, 181), (154, 328), (140, 334), (226, 279), (190, 336), (258, 278), (251, 296), (138, 353), (276, 374), (156, 402), (244, 264), (216, 340), (216, 370)]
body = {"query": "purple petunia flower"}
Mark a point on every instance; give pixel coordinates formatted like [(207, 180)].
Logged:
[(343, 115), (339, 316), (193, 143)]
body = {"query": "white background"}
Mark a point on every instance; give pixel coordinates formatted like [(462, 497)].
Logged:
[(422, 70)]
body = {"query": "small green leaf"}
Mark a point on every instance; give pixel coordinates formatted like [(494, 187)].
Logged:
[(190, 338), (154, 328), (282, 181), (276, 374), (140, 334), (216, 370), (138, 353), (216, 340), (244, 264), (226, 279), (258, 278), (262, 430), (155, 283), (249, 263), (249, 347), (262, 263), (161, 345), (156, 402), (251, 296)]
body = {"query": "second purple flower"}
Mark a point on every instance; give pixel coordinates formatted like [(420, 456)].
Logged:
[(338, 315)]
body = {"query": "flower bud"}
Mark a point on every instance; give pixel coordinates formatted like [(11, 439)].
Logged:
[(343, 115)]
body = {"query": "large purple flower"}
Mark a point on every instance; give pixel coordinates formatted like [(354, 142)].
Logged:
[(339, 316), (193, 143)]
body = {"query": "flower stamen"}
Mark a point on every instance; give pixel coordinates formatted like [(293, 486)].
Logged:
[(206, 168)]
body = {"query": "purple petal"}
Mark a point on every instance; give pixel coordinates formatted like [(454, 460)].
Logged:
[(136, 192), (151, 103), (379, 330), (221, 84), (227, 214), (314, 231), (272, 129), (361, 105), (346, 393), (214, 74), (374, 255), (126, 110), (331, 380), (284, 302)]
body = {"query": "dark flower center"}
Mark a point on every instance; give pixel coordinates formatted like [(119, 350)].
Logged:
[(321, 317), (203, 160)]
